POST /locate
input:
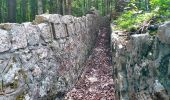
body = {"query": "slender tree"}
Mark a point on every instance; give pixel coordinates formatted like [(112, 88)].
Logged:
[(40, 7), (33, 9), (11, 10), (60, 9), (64, 7), (44, 6), (147, 5), (69, 7), (0, 10), (24, 9)]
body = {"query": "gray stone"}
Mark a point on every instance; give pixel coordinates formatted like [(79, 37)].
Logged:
[(9, 77), (76, 19), (46, 32), (26, 57), (140, 36), (41, 18), (55, 18), (67, 19), (33, 33), (160, 91), (4, 61), (19, 38), (71, 28), (164, 33), (40, 59), (143, 59), (42, 53), (7, 98), (10, 72), (83, 27), (5, 26), (62, 41), (5, 43), (77, 28), (158, 87), (60, 31)]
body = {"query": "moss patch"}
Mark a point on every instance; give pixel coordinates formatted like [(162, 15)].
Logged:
[(20, 97)]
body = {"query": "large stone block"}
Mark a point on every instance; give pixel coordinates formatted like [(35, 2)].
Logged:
[(164, 33), (60, 31), (46, 32), (83, 27), (19, 39), (41, 18), (67, 19), (5, 43), (71, 28), (4, 60), (77, 28), (55, 18), (33, 33)]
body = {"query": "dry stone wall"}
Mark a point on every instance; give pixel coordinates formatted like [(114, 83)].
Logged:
[(142, 65), (44, 58)]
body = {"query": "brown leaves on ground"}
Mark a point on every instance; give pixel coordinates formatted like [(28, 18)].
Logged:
[(96, 82)]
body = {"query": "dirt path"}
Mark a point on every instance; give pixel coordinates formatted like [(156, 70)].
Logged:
[(96, 82)]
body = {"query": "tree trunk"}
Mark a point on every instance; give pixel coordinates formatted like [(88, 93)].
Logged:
[(64, 6), (69, 6), (97, 4), (33, 7), (104, 8), (12, 10), (84, 7), (40, 7), (24, 9), (147, 4), (60, 7), (0, 11), (51, 8), (45, 9)]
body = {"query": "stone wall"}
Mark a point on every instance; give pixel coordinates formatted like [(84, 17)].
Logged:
[(142, 65), (44, 58)]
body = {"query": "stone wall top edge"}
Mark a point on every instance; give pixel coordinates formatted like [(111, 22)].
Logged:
[(43, 18)]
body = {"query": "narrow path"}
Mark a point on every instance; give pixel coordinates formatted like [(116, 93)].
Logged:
[(96, 82)]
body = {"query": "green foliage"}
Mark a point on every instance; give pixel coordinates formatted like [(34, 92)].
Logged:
[(163, 5), (132, 20), (78, 9), (142, 12)]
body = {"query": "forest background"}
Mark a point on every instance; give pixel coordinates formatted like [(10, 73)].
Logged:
[(127, 12)]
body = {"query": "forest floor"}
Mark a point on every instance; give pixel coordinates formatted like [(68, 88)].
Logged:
[(96, 82)]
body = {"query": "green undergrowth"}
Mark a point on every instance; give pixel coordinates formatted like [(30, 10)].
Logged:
[(140, 14), (133, 20)]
